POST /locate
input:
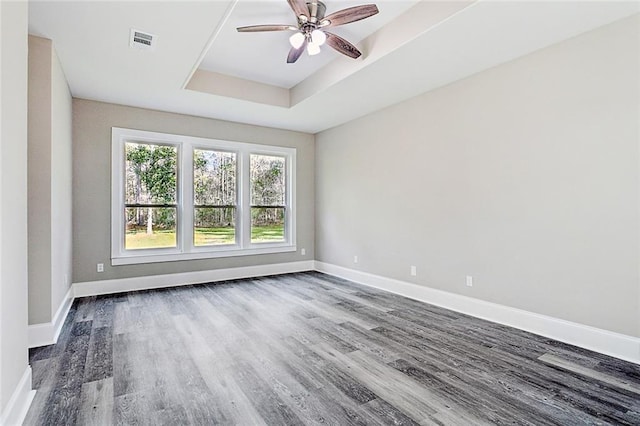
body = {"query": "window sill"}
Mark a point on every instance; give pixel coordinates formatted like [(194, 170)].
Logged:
[(176, 257)]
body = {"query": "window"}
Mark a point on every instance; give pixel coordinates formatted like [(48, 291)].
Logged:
[(151, 197), (268, 205), (179, 198), (214, 192)]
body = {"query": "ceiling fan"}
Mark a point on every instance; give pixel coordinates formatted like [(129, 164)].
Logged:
[(310, 30)]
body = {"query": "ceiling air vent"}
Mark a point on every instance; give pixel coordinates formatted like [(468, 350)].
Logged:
[(141, 40)]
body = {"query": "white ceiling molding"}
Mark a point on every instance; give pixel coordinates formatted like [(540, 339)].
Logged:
[(239, 88)]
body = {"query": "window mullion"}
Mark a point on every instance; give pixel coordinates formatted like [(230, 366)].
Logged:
[(185, 169), (290, 188), (244, 208)]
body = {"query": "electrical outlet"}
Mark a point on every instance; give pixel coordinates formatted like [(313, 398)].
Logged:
[(469, 281), (100, 267), (355, 259), (414, 271), (303, 252)]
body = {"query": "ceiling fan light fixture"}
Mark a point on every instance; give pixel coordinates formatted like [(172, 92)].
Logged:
[(296, 40), (318, 37), (313, 49)]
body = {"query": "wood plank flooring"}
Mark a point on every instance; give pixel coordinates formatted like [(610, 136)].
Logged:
[(308, 348)]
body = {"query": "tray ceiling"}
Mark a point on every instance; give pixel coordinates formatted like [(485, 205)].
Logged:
[(201, 66)]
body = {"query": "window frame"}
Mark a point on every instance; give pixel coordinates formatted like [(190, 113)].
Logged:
[(185, 245)]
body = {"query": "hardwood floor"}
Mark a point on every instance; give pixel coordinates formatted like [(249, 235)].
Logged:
[(312, 349)]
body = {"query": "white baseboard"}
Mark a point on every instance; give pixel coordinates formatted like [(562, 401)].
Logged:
[(592, 338), (40, 335), (595, 339), (94, 288), (47, 333), (20, 401)]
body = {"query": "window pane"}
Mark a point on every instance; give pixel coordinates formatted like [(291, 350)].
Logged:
[(150, 228), (267, 180), (213, 226), (151, 174), (214, 178), (267, 224)]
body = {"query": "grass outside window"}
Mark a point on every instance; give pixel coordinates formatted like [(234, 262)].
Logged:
[(139, 239)]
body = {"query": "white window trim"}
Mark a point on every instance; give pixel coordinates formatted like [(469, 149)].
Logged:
[(185, 250)]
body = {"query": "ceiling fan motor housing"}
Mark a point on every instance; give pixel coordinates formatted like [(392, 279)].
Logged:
[(320, 10)]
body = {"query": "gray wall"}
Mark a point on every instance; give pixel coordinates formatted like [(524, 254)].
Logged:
[(524, 176), (49, 182), (13, 197), (92, 122), (39, 172), (61, 184)]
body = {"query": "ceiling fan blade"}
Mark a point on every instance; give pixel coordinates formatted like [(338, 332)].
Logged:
[(342, 45), (351, 14), (294, 54), (257, 28), (299, 7)]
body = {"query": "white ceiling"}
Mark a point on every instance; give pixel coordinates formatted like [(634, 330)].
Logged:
[(405, 52)]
